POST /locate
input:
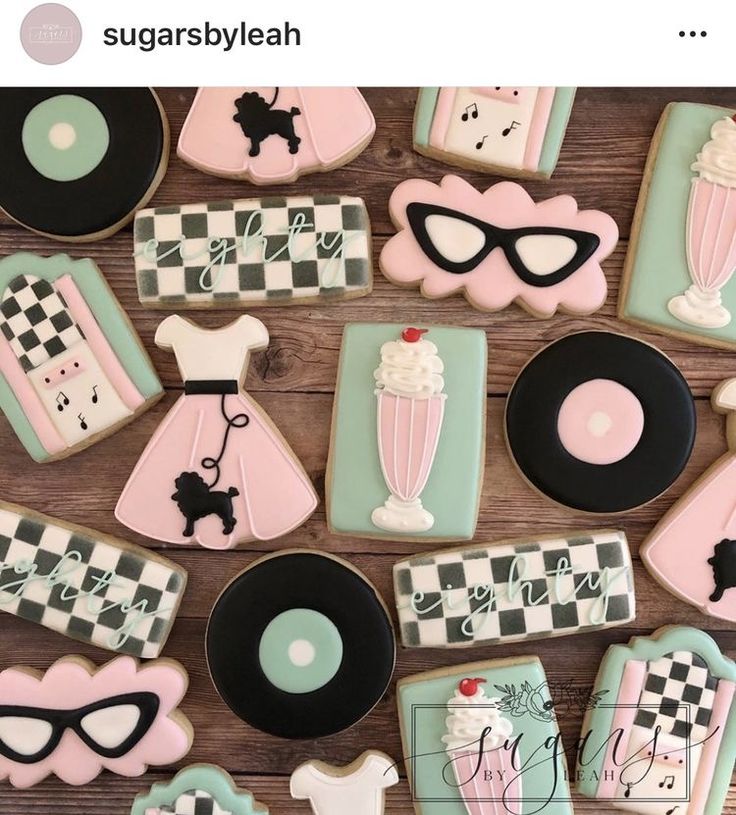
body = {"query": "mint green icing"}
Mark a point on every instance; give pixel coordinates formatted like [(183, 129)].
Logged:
[(556, 127), (659, 270), (645, 649), (90, 142), (423, 114), (422, 702), (208, 778), (357, 486), (110, 317), (317, 633)]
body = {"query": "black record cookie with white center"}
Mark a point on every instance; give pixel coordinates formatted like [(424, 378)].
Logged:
[(600, 422), (75, 163), (300, 645)]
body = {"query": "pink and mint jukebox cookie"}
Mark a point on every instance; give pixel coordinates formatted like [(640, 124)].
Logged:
[(72, 369), (216, 472), (85, 585), (507, 131), (359, 788), (515, 590), (665, 739), (253, 252), (300, 645), (76, 163), (692, 552), (274, 135), (76, 720), (408, 433), (498, 247), (614, 422), (200, 789), (482, 739)]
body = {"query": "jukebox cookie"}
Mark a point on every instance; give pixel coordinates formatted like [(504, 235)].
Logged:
[(358, 789), (482, 738), (253, 252), (665, 741), (507, 131), (72, 369), (86, 585), (498, 246), (300, 645), (78, 162), (614, 422), (216, 472), (274, 135), (76, 720), (515, 590), (408, 433), (200, 789)]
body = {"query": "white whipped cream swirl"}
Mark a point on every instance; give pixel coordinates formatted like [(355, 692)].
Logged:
[(717, 160), (469, 717), (410, 369)]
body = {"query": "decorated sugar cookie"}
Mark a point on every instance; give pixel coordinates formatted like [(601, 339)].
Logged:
[(78, 162), (482, 739), (678, 276), (274, 135), (300, 645), (86, 585), (498, 246), (358, 788), (76, 720), (665, 740), (407, 453), (253, 252), (507, 131), (515, 590), (614, 422), (216, 471), (200, 789), (72, 369)]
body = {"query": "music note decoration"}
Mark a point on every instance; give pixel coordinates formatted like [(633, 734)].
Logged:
[(471, 112), (62, 401), (95, 397), (479, 145), (514, 124)]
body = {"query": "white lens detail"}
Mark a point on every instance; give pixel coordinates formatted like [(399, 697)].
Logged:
[(456, 240), (109, 727), (545, 254), (24, 735)]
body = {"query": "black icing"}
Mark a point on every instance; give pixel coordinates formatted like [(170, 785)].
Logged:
[(724, 568), (258, 119)]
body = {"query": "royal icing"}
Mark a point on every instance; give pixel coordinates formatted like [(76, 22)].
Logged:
[(408, 420), (511, 131), (258, 251), (215, 472), (359, 788), (83, 159), (273, 135), (85, 585), (669, 710), (76, 720), (498, 246), (73, 370), (515, 590)]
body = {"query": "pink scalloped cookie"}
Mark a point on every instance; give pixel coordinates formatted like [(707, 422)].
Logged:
[(76, 720), (498, 247)]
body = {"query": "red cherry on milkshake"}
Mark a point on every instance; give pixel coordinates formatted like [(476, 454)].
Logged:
[(469, 687), (413, 334)]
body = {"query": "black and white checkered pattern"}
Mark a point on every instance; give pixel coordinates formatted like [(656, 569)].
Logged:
[(28, 545), (193, 802), (329, 257), (36, 322), (443, 598), (678, 696)]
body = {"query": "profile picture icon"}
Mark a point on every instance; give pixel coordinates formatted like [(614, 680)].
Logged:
[(51, 34)]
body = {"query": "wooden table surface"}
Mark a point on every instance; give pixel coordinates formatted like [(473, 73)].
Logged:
[(601, 165)]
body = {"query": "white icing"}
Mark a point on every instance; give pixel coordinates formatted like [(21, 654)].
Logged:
[(25, 736), (455, 239), (301, 653), (598, 424), (110, 726), (62, 135), (716, 162), (469, 716), (545, 254), (410, 368)]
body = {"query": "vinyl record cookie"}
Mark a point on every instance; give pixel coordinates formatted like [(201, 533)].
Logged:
[(300, 645), (600, 422), (75, 163)]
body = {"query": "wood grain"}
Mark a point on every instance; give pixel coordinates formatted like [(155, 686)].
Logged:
[(601, 165)]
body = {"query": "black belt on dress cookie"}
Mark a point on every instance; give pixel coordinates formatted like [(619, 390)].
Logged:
[(200, 387)]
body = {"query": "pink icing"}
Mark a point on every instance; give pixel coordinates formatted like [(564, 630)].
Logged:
[(490, 785), (538, 129), (71, 368), (711, 226), (70, 684), (493, 285), (600, 422)]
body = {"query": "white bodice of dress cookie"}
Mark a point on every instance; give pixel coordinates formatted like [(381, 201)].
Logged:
[(212, 354)]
